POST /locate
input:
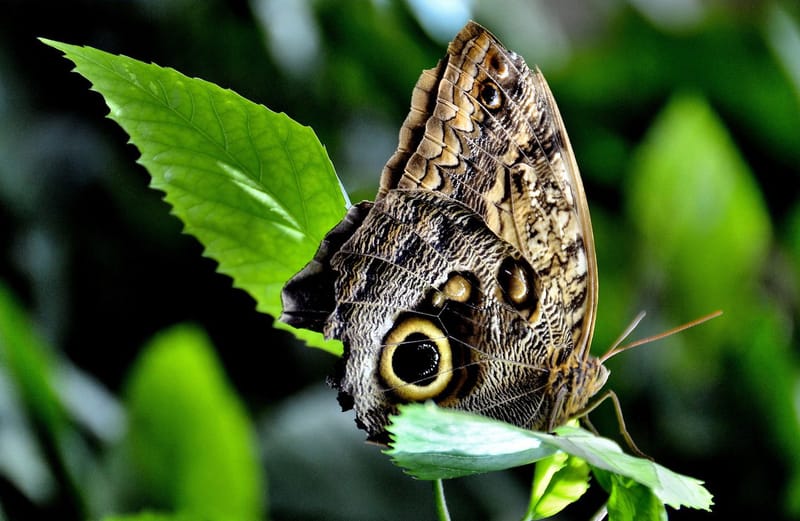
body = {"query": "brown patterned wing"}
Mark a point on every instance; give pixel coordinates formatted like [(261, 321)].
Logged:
[(426, 314), (484, 130)]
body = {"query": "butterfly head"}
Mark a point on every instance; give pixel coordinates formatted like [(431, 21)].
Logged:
[(572, 385)]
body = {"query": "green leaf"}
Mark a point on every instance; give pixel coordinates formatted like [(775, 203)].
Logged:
[(699, 209), (436, 443), (190, 442), (629, 500), (558, 480), (674, 489), (256, 188)]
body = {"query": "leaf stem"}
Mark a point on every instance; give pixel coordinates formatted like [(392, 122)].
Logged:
[(601, 513), (441, 504)]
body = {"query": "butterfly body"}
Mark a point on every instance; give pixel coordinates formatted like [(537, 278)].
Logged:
[(471, 279)]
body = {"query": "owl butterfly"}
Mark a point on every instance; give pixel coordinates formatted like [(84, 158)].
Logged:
[(471, 280)]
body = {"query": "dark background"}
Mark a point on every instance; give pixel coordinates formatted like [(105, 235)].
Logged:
[(101, 266)]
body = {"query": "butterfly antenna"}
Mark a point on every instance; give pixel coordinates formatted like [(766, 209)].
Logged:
[(628, 330), (616, 349)]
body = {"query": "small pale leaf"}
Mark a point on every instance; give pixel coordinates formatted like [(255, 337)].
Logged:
[(629, 500), (558, 480)]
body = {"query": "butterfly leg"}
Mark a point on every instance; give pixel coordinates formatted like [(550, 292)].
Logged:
[(583, 415), (584, 420)]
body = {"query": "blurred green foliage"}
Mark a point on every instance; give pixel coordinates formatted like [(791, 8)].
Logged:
[(190, 443), (684, 121)]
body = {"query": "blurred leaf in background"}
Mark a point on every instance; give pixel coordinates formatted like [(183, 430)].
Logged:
[(190, 444), (36, 432)]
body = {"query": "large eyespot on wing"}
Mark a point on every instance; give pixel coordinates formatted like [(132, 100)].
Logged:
[(416, 362)]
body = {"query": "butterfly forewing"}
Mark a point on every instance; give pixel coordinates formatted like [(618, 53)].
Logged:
[(493, 139)]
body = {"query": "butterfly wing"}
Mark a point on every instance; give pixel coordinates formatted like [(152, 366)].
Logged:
[(484, 130), (426, 315)]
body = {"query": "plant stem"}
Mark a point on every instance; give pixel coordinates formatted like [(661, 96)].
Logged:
[(600, 514), (441, 504)]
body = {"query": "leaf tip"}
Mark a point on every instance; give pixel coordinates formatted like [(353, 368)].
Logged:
[(55, 44)]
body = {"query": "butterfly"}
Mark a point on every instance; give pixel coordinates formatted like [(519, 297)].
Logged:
[(471, 280)]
